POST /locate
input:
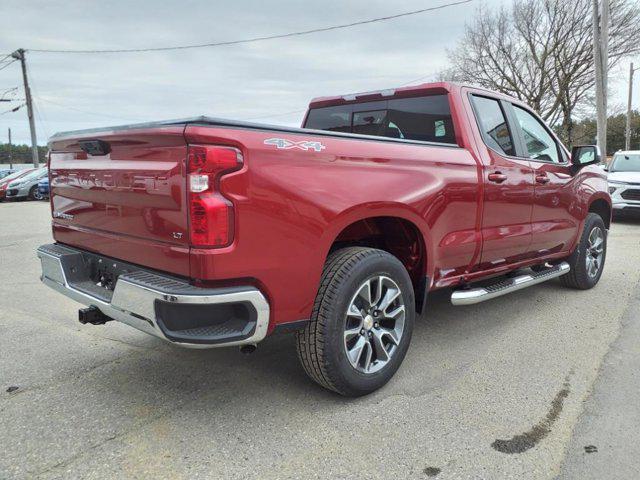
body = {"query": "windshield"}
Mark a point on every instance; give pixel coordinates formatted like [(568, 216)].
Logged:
[(13, 175), (627, 162)]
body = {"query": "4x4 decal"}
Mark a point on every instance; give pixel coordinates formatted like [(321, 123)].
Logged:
[(283, 143)]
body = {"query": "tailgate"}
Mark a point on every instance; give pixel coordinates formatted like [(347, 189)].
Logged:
[(121, 193)]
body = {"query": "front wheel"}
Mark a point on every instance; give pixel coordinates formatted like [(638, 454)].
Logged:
[(361, 323), (587, 261), (34, 193)]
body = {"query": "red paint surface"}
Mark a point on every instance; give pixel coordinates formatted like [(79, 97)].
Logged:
[(290, 205)]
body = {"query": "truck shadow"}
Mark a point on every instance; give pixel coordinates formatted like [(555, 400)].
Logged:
[(154, 399), (273, 374)]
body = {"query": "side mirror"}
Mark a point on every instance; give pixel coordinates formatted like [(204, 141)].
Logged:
[(585, 155)]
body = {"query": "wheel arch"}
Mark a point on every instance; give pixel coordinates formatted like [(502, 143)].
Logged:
[(398, 231), (602, 207)]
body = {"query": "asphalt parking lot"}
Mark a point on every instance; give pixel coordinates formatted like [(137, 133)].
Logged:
[(513, 388)]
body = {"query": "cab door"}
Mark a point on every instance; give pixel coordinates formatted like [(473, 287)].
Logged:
[(508, 188), (554, 219)]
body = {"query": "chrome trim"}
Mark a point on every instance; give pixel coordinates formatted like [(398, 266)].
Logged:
[(477, 295), (133, 304)]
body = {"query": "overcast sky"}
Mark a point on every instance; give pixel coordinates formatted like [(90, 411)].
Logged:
[(270, 81)]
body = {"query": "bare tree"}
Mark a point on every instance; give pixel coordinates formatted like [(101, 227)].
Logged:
[(541, 52)]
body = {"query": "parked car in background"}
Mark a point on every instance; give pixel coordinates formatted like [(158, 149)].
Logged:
[(624, 182), (27, 186), (43, 188), (4, 172), (4, 182)]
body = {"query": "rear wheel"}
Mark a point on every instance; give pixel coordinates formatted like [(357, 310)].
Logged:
[(587, 261), (361, 323)]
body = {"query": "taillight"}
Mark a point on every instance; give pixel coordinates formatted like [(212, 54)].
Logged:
[(210, 214)]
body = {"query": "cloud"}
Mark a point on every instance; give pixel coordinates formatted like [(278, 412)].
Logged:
[(75, 91)]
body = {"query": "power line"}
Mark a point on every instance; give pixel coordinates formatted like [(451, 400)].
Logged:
[(41, 121), (119, 117), (9, 92), (7, 64), (258, 39), (415, 80), (14, 109)]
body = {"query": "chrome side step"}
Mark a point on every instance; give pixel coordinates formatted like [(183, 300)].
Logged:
[(477, 295)]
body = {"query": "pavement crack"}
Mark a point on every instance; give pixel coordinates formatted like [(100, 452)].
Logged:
[(529, 439), (69, 460), (57, 380), (164, 413)]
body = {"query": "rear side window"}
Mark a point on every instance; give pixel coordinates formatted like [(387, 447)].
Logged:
[(493, 125), (426, 119)]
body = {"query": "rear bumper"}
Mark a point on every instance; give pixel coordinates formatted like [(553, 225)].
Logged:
[(157, 304)]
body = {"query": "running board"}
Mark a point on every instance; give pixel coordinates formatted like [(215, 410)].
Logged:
[(477, 295)]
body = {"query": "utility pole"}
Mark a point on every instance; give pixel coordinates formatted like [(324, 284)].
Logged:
[(10, 152), (601, 59), (19, 55), (627, 132)]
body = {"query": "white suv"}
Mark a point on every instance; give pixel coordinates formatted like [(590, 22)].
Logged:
[(624, 182)]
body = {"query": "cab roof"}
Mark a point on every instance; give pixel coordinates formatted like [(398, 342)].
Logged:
[(432, 88)]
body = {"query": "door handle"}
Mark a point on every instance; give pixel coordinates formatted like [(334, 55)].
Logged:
[(542, 179), (497, 177)]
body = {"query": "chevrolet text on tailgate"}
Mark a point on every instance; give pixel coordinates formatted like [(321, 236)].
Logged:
[(207, 232)]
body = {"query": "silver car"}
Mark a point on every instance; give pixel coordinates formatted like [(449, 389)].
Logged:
[(624, 182), (27, 186)]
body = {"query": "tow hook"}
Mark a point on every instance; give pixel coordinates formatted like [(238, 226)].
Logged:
[(249, 348), (92, 315)]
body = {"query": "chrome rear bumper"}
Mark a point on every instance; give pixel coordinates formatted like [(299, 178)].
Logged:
[(145, 299)]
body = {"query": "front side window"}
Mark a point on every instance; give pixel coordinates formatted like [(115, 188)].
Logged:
[(493, 125), (426, 119), (539, 143)]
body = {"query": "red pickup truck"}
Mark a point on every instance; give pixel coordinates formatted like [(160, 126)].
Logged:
[(208, 232)]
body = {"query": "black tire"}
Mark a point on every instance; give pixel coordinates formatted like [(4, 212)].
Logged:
[(578, 277), (34, 194), (321, 345)]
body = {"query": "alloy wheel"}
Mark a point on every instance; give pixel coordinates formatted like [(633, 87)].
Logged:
[(595, 250), (374, 324)]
